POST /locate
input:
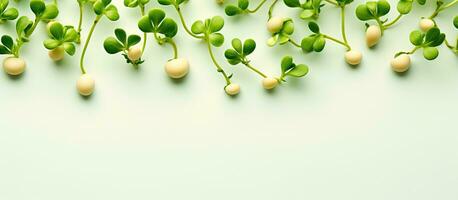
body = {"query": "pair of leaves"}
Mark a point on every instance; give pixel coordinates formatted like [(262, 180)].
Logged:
[(405, 6), (44, 11), (283, 36), (314, 42), (428, 41), (7, 45), (23, 25), (171, 2), (239, 51), (104, 7), (7, 13), (289, 68), (156, 22), (61, 36), (241, 7), (210, 30), (311, 8), (121, 42), (135, 3), (372, 10)]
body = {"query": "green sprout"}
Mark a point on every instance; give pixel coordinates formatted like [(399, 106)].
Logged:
[(62, 39), (238, 55), (207, 31), (123, 43), (242, 7), (141, 5), (7, 14), (24, 28), (310, 8), (101, 8)]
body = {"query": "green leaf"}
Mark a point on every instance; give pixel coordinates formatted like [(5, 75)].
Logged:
[(70, 35), (216, 39), (7, 41), (156, 16), (307, 14), (416, 37), (313, 26), (51, 12), (432, 34), (57, 30), (404, 6), (121, 35), (145, 25), (288, 27), (307, 44), (237, 45), (319, 44), (112, 45), (363, 13), (249, 46), (430, 53), (198, 27), (22, 25), (383, 8), (286, 64), (298, 71), (37, 7), (70, 48), (292, 3), (455, 22), (232, 10), (168, 27), (231, 54), (51, 43), (216, 24), (112, 13), (243, 4), (10, 14), (4, 50), (133, 40)]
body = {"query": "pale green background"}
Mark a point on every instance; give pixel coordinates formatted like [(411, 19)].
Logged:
[(341, 133)]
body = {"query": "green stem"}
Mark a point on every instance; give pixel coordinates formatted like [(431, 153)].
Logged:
[(91, 31), (177, 8), (258, 7), (442, 8), (254, 69), (145, 35), (380, 24), (337, 41), (294, 43), (344, 34), (80, 22), (448, 44), (393, 22), (271, 8), (409, 52), (161, 41), (218, 67)]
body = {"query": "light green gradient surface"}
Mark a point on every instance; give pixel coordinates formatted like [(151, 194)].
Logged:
[(341, 133)]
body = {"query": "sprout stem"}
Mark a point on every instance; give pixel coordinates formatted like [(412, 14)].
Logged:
[(177, 8), (294, 43), (80, 22), (332, 2), (271, 8), (258, 7), (409, 52), (448, 44), (145, 35), (442, 8), (91, 31), (393, 22), (161, 41), (254, 69), (344, 35), (34, 25), (218, 67), (337, 41)]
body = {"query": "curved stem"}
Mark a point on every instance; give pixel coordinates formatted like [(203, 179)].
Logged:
[(34, 25), (337, 41), (409, 52), (442, 8), (258, 7), (448, 44), (91, 31), (218, 67), (145, 35), (247, 64), (177, 8), (161, 41), (393, 22), (344, 34), (80, 22), (294, 43), (271, 8)]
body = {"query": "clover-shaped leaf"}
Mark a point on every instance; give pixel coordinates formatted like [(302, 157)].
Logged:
[(61, 36), (121, 42), (156, 22), (455, 22), (310, 8), (372, 10), (209, 29), (104, 7), (289, 68), (405, 6), (44, 11), (239, 51), (241, 7)]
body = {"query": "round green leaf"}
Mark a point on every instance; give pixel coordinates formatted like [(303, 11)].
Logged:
[(237, 45), (383, 8), (70, 48), (455, 22), (363, 13), (156, 16), (144, 24), (112, 45), (249, 46), (51, 12), (168, 27), (319, 44), (313, 26), (430, 53), (7, 41), (307, 44), (133, 40), (298, 71), (112, 13), (232, 10), (404, 6), (243, 4), (37, 7), (216, 39), (57, 30), (10, 14), (231, 54), (416, 37), (198, 27), (121, 35), (286, 64), (216, 24), (51, 44)]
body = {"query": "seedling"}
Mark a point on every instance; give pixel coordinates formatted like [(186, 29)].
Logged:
[(242, 7), (123, 43), (14, 65), (141, 5), (207, 31), (376, 11), (426, 41), (62, 40), (86, 83), (427, 23), (310, 8), (7, 14), (238, 55), (164, 29)]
